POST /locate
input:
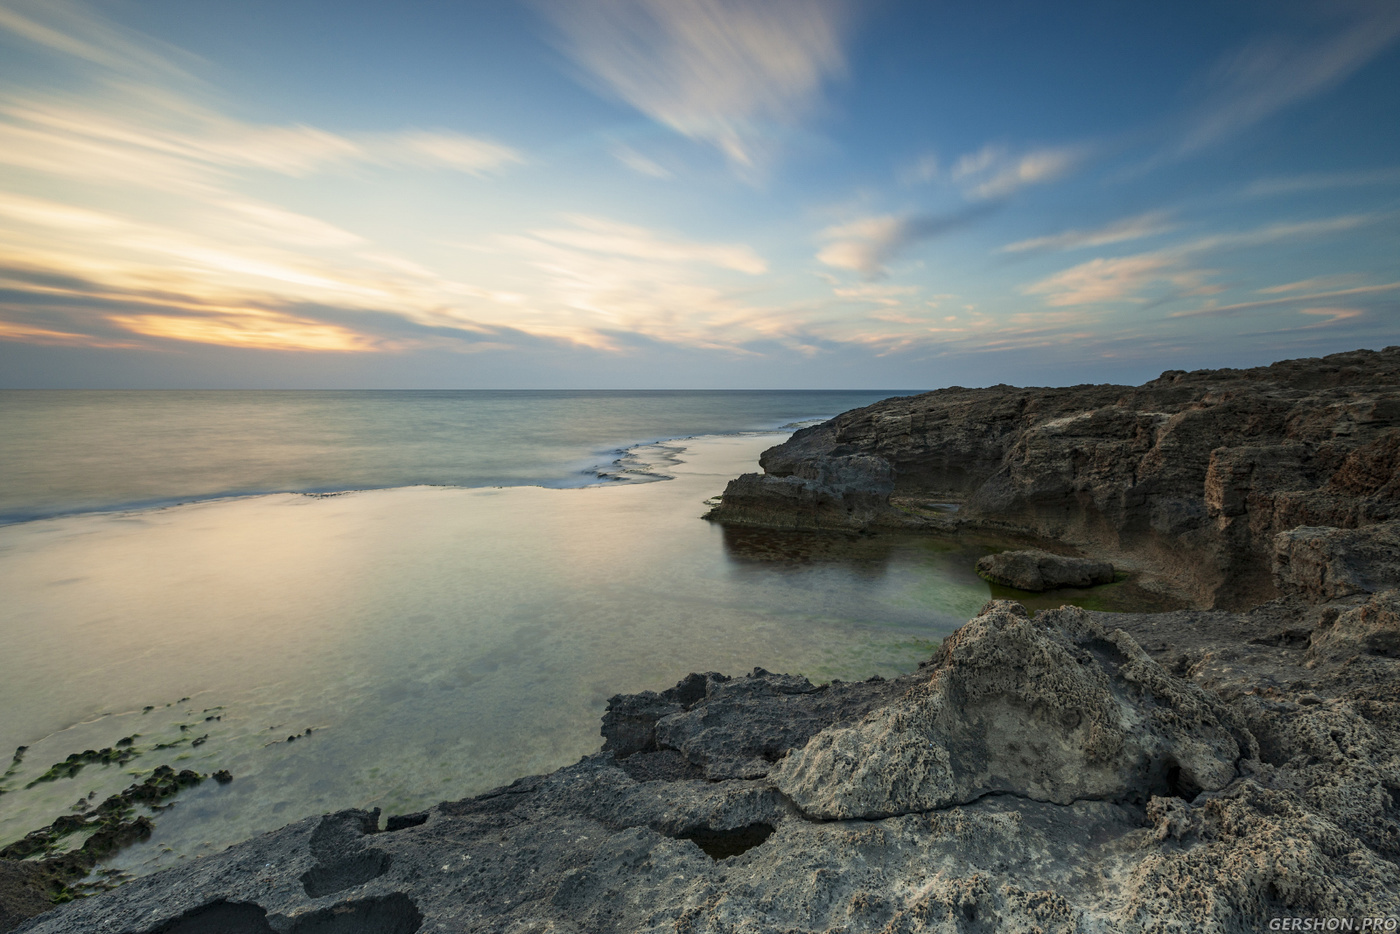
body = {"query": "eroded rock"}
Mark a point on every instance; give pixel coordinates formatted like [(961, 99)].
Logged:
[(1190, 476), (1037, 571), (1372, 628), (1323, 563), (1054, 709)]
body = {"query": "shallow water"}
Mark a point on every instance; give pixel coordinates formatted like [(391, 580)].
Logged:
[(437, 642)]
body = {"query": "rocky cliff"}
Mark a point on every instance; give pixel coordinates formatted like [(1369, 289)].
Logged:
[(1070, 773), (1192, 476)]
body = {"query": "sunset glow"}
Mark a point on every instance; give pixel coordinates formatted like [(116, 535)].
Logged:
[(709, 193)]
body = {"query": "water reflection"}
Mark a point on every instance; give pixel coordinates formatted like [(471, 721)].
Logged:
[(780, 550)]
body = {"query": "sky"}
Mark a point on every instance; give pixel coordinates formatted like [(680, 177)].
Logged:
[(817, 194)]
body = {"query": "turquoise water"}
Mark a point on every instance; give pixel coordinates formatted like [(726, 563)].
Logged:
[(72, 451), (436, 640)]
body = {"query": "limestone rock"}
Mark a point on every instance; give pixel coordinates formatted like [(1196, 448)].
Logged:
[(1040, 570), (839, 492), (1190, 476), (1372, 628), (1325, 563), (1054, 709)]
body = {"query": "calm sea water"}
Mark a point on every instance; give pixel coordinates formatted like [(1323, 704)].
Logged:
[(70, 451), (456, 621)]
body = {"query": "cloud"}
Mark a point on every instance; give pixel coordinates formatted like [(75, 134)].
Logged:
[(639, 163), (1110, 280), (865, 245), (1129, 228), (613, 280), (141, 118), (1270, 75), (597, 235), (1321, 181), (151, 137), (887, 295), (436, 149), (71, 29), (1310, 285), (1221, 311), (1126, 278), (717, 71), (924, 169), (249, 327), (992, 172)]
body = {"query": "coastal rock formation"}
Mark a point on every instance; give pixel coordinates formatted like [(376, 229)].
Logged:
[(1191, 476), (1322, 564), (1056, 709), (1036, 571), (839, 491), (1372, 628), (1246, 770)]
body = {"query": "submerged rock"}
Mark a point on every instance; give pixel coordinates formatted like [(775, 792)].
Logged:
[(1040, 570)]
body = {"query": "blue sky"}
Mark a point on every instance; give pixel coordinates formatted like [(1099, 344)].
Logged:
[(690, 193)]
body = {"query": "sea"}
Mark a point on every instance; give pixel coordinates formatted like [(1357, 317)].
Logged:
[(390, 599)]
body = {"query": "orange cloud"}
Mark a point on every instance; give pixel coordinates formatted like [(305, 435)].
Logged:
[(251, 327)]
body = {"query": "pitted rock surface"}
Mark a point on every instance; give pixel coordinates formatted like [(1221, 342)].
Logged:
[(1323, 563), (1372, 628), (1054, 709)]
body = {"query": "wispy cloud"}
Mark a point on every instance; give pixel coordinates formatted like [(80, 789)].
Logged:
[(1127, 278), (1221, 311), (865, 245), (639, 163), (924, 169), (148, 136), (1270, 75), (597, 235), (1322, 181), (1311, 285), (724, 72), (889, 296), (1111, 280), (993, 172), (146, 230), (612, 279), (71, 29), (1119, 231)]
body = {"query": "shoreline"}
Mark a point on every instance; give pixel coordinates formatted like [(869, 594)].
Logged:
[(620, 469), (624, 589), (1072, 771)]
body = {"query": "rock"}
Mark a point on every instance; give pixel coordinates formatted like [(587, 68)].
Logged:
[(1263, 785), (1325, 563), (1190, 476), (24, 892), (842, 492), (1372, 628), (1056, 709), (1039, 570)]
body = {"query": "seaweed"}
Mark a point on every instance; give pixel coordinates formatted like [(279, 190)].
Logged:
[(121, 754), (109, 826)]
